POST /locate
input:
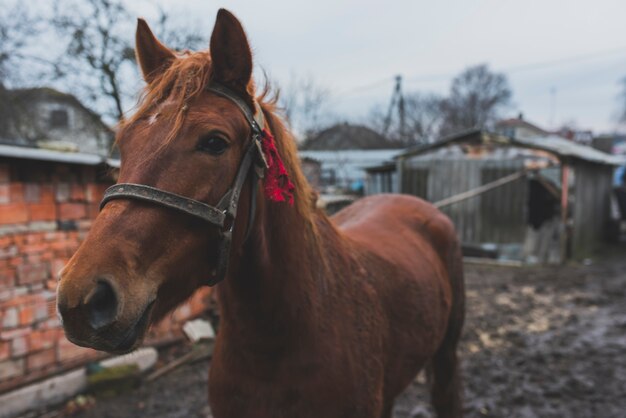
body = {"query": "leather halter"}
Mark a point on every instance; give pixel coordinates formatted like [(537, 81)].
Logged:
[(223, 214)]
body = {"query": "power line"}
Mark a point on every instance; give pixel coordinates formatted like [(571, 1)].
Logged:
[(576, 58), (365, 87), (446, 76)]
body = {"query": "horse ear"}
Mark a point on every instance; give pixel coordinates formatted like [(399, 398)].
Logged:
[(153, 57), (230, 53)]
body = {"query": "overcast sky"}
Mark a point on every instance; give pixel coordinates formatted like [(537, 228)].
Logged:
[(564, 58)]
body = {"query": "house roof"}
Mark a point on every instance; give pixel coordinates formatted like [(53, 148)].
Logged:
[(38, 154), (29, 95), (560, 147), (345, 136), (519, 122)]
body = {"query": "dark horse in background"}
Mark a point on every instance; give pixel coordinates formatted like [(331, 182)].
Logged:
[(321, 317)]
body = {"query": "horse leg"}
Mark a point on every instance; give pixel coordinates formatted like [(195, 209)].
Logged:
[(446, 378), (387, 409), (446, 385)]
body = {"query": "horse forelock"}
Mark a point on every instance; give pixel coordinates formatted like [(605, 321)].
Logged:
[(179, 84)]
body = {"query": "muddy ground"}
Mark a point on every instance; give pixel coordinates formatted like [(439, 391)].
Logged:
[(538, 342)]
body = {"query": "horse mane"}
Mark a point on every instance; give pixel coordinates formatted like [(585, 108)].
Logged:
[(185, 79), (305, 198)]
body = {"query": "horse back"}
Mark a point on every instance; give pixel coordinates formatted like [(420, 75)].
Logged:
[(404, 230)]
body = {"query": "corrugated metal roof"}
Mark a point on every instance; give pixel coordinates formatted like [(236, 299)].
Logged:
[(49, 155), (561, 147), (566, 148)]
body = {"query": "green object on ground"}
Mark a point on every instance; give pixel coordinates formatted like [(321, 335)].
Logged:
[(114, 380)]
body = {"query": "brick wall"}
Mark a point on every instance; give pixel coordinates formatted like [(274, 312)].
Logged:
[(46, 210)]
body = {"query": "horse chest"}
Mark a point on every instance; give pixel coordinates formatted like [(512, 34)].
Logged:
[(315, 388)]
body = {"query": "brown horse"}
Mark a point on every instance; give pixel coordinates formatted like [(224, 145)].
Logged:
[(320, 317)]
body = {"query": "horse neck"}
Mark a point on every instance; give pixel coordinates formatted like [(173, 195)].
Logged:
[(277, 277)]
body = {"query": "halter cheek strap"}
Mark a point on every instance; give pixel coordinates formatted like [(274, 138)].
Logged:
[(222, 216)]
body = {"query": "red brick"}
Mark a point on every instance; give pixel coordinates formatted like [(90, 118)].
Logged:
[(77, 192), (5, 194), (93, 193), (41, 359), (5, 350), (31, 192), (17, 192), (42, 312), (8, 252), (62, 192), (13, 213), (43, 211), (27, 315), (34, 238), (10, 318), (34, 248), (31, 273), (16, 261), (23, 299), (46, 193), (47, 255), (43, 339), (68, 211), (11, 368), (11, 334), (19, 346), (52, 323), (6, 294), (7, 277), (53, 236)]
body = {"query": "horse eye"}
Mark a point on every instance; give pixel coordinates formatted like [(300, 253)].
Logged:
[(212, 144)]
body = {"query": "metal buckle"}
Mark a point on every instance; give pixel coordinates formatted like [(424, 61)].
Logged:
[(260, 160)]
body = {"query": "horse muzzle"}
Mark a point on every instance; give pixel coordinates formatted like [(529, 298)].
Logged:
[(99, 322)]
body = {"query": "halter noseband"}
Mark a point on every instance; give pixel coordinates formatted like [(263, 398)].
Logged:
[(222, 215)]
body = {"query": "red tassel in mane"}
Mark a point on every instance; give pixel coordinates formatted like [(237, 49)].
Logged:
[(278, 186)]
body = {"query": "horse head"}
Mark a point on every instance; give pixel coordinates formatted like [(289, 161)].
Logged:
[(141, 259)]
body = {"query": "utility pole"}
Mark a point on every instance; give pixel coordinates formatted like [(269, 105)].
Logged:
[(397, 100)]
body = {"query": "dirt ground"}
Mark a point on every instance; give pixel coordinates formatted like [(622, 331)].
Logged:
[(538, 342)]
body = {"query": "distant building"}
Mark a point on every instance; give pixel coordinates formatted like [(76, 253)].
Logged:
[(46, 118), (519, 128), (346, 136), (345, 151), (345, 169), (312, 170)]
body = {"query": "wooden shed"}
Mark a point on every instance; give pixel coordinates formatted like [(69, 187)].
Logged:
[(506, 195)]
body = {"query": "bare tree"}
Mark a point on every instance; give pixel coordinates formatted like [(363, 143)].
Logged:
[(422, 118), (303, 104), (99, 55), (18, 28), (477, 95)]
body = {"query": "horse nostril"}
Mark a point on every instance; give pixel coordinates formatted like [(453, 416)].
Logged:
[(102, 305)]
